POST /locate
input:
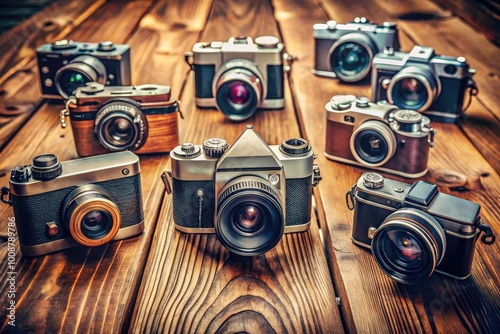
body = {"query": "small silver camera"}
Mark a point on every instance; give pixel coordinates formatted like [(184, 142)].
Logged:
[(346, 50), (423, 81), (248, 194), (377, 135), (239, 76)]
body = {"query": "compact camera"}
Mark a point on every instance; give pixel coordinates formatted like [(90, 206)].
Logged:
[(423, 81), (141, 118), (345, 51), (65, 65), (413, 229), (377, 135), (239, 76), (248, 194), (89, 201)]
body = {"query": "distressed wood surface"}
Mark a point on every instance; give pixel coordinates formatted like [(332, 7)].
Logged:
[(167, 281), (375, 302)]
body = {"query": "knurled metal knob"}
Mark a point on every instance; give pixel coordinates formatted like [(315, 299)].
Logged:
[(215, 147), (45, 167), (373, 180)]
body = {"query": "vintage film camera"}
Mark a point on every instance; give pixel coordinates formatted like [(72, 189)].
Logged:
[(377, 135), (413, 229), (248, 194), (239, 76), (345, 51), (89, 201), (65, 65), (141, 118), (423, 81)]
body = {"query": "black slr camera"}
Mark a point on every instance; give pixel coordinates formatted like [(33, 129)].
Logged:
[(377, 135), (89, 201), (413, 230), (423, 81), (140, 118), (239, 76), (248, 194), (345, 51), (66, 65)]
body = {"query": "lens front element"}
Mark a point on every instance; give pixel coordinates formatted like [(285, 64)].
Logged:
[(91, 215), (413, 88), (373, 143), (78, 73), (121, 125), (250, 216), (409, 245)]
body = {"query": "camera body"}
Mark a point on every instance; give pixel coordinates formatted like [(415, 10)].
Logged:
[(248, 194), (141, 118), (346, 50), (423, 81), (239, 76), (65, 65), (380, 136), (413, 229), (89, 201)]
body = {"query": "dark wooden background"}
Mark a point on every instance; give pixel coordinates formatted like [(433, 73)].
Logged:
[(316, 281)]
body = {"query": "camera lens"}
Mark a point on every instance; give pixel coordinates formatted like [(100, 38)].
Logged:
[(413, 88), (250, 216), (350, 57), (408, 245), (238, 89), (78, 73), (121, 125), (373, 143), (91, 215)]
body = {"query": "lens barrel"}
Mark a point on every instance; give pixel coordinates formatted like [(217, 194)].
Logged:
[(79, 72), (373, 143), (350, 57), (91, 215), (250, 216), (409, 245), (413, 88)]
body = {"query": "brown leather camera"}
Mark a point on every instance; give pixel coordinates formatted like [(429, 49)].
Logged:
[(142, 119)]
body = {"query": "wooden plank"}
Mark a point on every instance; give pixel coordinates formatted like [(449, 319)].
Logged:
[(78, 289), (377, 303), (48, 25), (192, 283), (482, 15)]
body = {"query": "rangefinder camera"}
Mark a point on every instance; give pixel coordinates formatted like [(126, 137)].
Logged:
[(248, 194), (239, 76), (377, 135), (89, 201), (141, 118), (423, 81), (345, 51), (65, 65), (414, 230)]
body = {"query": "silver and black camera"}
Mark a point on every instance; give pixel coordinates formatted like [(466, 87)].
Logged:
[(377, 135), (248, 194), (414, 230), (89, 201), (423, 81), (239, 76), (345, 51), (66, 65)]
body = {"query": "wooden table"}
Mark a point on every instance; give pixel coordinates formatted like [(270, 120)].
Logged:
[(316, 281)]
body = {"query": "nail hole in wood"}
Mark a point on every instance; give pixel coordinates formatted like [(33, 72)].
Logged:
[(485, 174), (422, 16)]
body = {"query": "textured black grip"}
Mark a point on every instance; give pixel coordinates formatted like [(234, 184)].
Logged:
[(298, 201), (275, 81), (203, 78), (186, 203), (32, 213)]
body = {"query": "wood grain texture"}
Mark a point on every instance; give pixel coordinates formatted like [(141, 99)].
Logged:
[(439, 303), (63, 291), (48, 25), (191, 283)]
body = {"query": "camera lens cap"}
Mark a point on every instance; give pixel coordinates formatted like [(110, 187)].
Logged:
[(45, 167), (187, 150), (215, 147), (295, 146), (373, 180)]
